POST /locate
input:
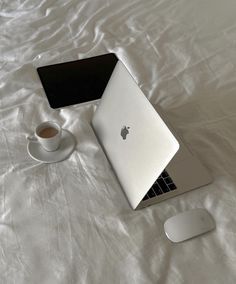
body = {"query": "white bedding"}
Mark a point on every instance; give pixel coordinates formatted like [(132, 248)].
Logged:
[(70, 222)]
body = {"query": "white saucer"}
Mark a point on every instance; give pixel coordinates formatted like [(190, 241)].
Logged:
[(67, 146)]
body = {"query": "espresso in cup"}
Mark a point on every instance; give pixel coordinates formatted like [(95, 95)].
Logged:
[(48, 132), (48, 135)]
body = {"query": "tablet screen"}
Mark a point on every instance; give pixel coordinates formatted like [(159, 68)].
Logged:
[(77, 81)]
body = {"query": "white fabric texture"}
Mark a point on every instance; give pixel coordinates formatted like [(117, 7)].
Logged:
[(70, 222)]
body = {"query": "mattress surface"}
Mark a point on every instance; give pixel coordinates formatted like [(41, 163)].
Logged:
[(70, 222)]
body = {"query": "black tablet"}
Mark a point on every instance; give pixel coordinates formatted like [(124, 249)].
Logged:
[(77, 81)]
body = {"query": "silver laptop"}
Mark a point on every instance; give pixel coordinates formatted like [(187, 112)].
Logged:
[(150, 161)]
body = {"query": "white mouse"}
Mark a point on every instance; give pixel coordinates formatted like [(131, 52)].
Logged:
[(188, 224)]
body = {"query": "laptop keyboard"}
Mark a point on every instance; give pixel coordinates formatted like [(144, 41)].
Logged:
[(163, 184)]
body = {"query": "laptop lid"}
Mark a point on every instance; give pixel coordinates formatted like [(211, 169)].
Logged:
[(135, 139)]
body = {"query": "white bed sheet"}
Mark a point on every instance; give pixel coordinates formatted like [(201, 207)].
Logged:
[(70, 222)]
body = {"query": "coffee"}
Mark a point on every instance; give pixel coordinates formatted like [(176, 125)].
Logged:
[(48, 132)]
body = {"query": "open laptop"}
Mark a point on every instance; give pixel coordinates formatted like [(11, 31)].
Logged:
[(151, 163)]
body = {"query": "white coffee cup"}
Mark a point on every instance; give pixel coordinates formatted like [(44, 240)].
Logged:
[(48, 135)]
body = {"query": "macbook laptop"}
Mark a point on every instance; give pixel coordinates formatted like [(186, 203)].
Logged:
[(150, 160)]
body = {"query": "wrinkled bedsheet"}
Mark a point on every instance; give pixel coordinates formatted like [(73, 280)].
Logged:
[(70, 222)]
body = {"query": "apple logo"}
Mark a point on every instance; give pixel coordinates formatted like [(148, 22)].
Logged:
[(124, 131)]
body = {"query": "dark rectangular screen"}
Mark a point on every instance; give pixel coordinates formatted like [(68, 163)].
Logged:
[(77, 81)]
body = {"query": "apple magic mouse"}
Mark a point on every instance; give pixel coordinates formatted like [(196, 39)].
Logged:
[(188, 224)]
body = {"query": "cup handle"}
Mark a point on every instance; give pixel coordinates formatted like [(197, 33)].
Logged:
[(32, 138)]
